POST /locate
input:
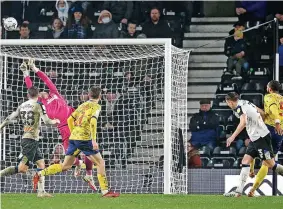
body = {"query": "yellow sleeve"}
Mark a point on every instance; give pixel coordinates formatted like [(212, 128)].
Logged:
[(71, 120), (93, 122), (93, 128)]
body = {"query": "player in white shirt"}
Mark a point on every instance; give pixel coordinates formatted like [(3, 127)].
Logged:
[(260, 145)]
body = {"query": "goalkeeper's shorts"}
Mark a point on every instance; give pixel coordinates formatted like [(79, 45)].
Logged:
[(77, 146)]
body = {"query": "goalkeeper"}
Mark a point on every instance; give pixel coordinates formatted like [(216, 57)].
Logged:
[(273, 118), (83, 126), (56, 107)]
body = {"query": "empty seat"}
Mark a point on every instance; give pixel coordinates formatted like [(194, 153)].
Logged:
[(252, 88), (242, 151), (255, 98), (223, 115), (220, 152), (205, 151)]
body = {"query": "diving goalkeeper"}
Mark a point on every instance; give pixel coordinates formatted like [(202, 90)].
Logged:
[(56, 107)]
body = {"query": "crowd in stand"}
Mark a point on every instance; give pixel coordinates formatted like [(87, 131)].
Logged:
[(211, 126), (62, 19)]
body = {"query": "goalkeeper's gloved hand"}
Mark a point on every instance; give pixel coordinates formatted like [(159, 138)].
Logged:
[(24, 69), (32, 65)]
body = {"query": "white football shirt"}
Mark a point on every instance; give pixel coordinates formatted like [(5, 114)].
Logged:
[(254, 124)]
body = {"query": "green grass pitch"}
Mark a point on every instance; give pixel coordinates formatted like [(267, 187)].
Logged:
[(137, 201)]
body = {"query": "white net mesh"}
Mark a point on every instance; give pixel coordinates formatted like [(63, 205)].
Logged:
[(131, 125)]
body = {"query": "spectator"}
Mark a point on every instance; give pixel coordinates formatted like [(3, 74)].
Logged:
[(77, 24), (251, 10), (131, 31), (106, 28), (62, 7), (120, 10), (236, 51), (56, 30), (141, 10), (25, 31), (155, 27), (276, 8), (203, 126)]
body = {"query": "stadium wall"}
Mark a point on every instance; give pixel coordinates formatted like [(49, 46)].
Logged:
[(200, 181)]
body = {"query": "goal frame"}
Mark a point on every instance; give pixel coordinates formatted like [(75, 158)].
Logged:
[(167, 189)]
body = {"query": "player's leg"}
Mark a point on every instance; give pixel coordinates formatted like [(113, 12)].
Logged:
[(101, 175), (252, 169), (262, 173), (95, 157), (70, 157), (251, 153), (21, 168), (41, 184), (88, 177)]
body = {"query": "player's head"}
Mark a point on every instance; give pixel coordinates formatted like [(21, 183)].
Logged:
[(33, 92), (94, 92), (232, 99), (273, 86)]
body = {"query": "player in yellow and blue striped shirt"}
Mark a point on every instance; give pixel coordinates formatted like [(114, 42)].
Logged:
[(273, 118), (83, 127)]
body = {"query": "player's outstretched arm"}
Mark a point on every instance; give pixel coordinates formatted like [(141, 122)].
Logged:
[(43, 76), (13, 116), (24, 69), (238, 130)]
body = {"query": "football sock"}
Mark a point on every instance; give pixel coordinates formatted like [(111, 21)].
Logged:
[(243, 178), (252, 166), (278, 169), (9, 171), (103, 183), (260, 177), (41, 184), (51, 170), (88, 165)]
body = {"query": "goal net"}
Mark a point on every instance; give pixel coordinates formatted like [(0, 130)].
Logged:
[(142, 129)]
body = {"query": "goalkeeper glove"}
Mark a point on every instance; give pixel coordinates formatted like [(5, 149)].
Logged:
[(24, 69), (32, 65)]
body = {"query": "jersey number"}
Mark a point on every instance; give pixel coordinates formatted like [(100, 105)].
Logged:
[(28, 118), (79, 120)]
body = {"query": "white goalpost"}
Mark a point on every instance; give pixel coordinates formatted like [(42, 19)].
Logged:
[(142, 130)]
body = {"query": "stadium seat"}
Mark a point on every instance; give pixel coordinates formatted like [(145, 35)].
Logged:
[(205, 151), (224, 115), (242, 151), (253, 88), (255, 98), (220, 152), (219, 102), (237, 163), (204, 161)]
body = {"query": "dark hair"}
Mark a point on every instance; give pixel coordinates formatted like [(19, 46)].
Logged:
[(33, 91), (156, 9), (25, 25), (274, 85), (94, 92), (71, 20), (132, 22), (232, 96)]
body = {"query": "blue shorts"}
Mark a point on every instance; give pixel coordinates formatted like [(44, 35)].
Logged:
[(276, 139), (77, 146)]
